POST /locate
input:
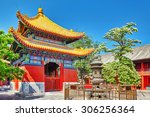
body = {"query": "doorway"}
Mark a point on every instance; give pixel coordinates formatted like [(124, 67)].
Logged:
[(52, 76)]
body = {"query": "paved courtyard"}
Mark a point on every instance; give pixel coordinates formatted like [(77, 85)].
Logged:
[(7, 94), (54, 95), (143, 95)]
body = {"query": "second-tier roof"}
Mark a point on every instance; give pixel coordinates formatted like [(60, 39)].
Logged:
[(49, 47)]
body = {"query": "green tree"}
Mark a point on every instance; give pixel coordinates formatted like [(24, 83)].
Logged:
[(122, 69), (82, 64), (6, 56)]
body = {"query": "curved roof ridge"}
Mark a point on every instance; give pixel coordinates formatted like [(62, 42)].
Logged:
[(50, 47), (43, 23)]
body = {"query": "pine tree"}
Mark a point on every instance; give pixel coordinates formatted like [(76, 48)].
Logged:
[(122, 69)]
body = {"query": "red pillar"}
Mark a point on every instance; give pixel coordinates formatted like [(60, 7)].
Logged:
[(142, 83), (44, 75), (142, 77), (43, 70), (142, 66), (61, 76)]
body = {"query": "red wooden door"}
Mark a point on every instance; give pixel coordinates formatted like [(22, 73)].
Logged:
[(52, 83), (53, 76)]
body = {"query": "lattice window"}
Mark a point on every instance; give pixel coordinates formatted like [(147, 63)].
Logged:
[(138, 66), (147, 66)]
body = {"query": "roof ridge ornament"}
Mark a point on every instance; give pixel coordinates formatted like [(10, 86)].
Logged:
[(40, 11), (71, 30), (18, 13), (10, 29)]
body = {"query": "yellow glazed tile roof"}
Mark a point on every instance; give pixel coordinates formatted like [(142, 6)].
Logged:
[(42, 23), (44, 46)]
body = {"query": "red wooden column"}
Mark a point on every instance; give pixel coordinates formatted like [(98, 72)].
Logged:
[(142, 77), (148, 78), (142, 82), (142, 66), (43, 70), (61, 76)]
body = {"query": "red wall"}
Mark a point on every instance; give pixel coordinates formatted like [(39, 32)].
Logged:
[(1, 83), (70, 75), (146, 82), (32, 74), (36, 72), (142, 68)]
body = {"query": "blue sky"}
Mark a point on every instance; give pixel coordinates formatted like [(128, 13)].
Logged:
[(94, 17)]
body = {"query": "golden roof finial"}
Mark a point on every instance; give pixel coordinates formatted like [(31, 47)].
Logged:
[(71, 30), (40, 11)]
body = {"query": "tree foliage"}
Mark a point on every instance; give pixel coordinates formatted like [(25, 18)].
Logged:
[(6, 56), (83, 63), (122, 68), (116, 72)]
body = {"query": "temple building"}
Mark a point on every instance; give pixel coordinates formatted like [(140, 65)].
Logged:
[(141, 58), (44, 54)]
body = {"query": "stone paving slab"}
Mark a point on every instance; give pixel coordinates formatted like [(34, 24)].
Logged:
[(7, 94), (54, 95), (143, 94)]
